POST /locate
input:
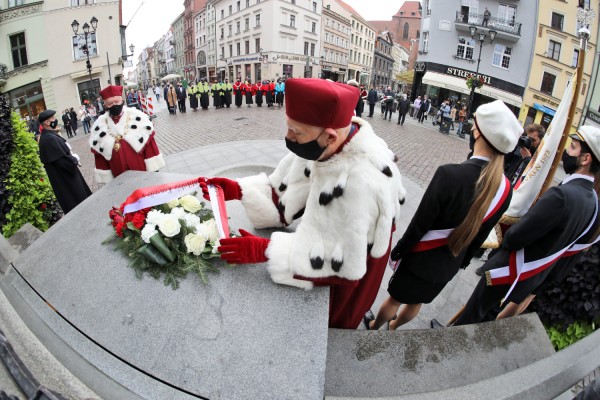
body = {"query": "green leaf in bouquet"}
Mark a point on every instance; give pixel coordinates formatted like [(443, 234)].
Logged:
[(152, 254), (132, 227), (184, 229), (160, 244)]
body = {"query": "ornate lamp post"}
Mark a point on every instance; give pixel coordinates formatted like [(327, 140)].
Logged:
[(482, 42), (86, 33)]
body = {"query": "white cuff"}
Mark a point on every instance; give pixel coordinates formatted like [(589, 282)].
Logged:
[(155, 163), (278, 253), (103, 175)]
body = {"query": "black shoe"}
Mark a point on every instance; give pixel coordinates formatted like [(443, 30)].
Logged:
[(435, 324), (368, 318), (479, 271), (388, 323), (398, 123)]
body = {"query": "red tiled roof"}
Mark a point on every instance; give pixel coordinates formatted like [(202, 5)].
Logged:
[(381, 26), (348, 8), (409, 7)]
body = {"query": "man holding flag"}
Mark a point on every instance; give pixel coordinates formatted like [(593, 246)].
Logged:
[(560, 224)]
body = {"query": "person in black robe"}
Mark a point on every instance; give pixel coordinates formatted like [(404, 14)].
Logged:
[(238, 92), (249, 92), (193, 95), (258, 89), (228, 88), (66, 118), (215, 89), (204, 94), (61, 165), (73, 115)]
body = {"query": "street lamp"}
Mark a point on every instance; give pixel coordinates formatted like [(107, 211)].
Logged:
[(482, 42), (88, 64)]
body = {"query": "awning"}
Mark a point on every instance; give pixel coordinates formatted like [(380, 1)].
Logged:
[(460, 85), (544, 109)]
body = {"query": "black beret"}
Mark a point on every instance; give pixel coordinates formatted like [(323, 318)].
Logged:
[(46, 114)]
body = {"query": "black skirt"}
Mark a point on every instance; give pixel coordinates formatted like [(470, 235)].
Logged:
[(408, 288)]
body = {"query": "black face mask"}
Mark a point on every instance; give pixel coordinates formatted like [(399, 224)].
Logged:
[(570, 163), (54, 124), (309, 150), (115, 110)]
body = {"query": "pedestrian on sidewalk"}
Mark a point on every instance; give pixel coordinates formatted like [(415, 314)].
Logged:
[(85, 119), (238, 92), (280, 92), (453, 112), (248, 92), (181, 96), (74, 119), (204, 89), (214, 90), (193, 95), (403, 108), (416, 107), (172, 100), (388, 103), (227, 88), (157, 93), (424, 109), (66, 119), (372, 100), (460, 207), (462, 116)]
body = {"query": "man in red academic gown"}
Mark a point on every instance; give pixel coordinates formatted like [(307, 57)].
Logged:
[(341, 179), (122, 139)]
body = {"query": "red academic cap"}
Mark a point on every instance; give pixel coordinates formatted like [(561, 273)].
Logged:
[(111, 91), (318, 102)]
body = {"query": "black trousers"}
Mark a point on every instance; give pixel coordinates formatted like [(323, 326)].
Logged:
[(182, 105), (388, 110), (401, 117), (371, 109), (483, 300)]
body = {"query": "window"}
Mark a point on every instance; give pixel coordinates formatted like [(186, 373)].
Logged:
[(230, 9), (305, 48), (293, 1), (15, 3), (405, 31), (554, 50), (575, 60), (237, 25), (507, 14), (292, 21), (247, 46), (222, 33), (257, 20), (222, 14), (18, 49), (230, 50), (222, 51), (312, 49), (88, 91), (247, 3), (230, 30), (247, 24), (79, 47), (238, 6), (465, 48), (238, 48), (313, 27), (74, 3), (557, 21), (257, 44), (314, 6), (547, 83), (501, 56)]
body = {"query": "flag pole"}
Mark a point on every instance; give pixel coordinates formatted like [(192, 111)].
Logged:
[(584, 35)]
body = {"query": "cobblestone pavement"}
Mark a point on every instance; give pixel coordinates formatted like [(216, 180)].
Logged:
[(420, 147)]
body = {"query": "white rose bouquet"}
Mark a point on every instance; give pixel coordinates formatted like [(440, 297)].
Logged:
[(168, 240)]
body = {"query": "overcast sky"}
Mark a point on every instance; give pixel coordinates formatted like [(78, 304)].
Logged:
[(155, 16)]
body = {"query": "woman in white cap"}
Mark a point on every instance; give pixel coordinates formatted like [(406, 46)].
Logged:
[(459, 208)]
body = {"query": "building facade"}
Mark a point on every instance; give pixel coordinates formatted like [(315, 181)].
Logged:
[(591, 114), (362, 42), (383, 62), (46, 62), (211, 49), (169, 51), (260, 40), (400, 56), (555, 59), (200, 43), (179, 63), (335, 40), (449, 54), (160, 65)]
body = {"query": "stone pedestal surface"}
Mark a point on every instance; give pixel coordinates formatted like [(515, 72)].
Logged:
[(239, 337), (393, 363)]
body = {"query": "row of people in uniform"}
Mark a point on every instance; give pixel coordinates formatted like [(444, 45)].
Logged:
[(224, 94)]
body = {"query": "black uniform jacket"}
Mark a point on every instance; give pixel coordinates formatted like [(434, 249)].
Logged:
[(444, 205), (561, 214)]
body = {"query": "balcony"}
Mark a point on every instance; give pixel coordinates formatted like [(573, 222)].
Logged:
[(3, 75), (508, 30)]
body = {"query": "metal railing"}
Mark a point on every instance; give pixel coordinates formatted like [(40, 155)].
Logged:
[(500, 25), (3, 72)]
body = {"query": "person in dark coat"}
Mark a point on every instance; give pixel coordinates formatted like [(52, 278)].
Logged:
[(204, 89), (228, 88), (359, 104), (61, 165), (66, 119), (258, 89), (73, 116), (238, 90), (249, 92), (215, 89), (267, 93), (372, 99), (193, 95), (181, 96), (403, 108), (563, 215), (165, 91), (460, 207)]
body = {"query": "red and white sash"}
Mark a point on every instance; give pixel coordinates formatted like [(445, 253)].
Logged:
[(439, 237), (518, 270)]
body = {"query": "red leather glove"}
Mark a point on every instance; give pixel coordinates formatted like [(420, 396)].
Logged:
[(248, 249), (231, 188)]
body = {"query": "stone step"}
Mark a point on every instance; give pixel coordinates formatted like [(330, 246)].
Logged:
[(393, 363)]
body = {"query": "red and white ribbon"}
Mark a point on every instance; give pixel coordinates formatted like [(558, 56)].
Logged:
[(155, 195), (439, 237), (217, 198), (518, 270)]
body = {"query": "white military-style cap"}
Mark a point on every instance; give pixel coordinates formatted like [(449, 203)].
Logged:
[(591, 136), (498, 125), (352, 82)]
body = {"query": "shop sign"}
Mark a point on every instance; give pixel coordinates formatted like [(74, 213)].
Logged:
[(545, 100), (593, 116), (240, 60), (465, 74), (288, 57), (420, 66)]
